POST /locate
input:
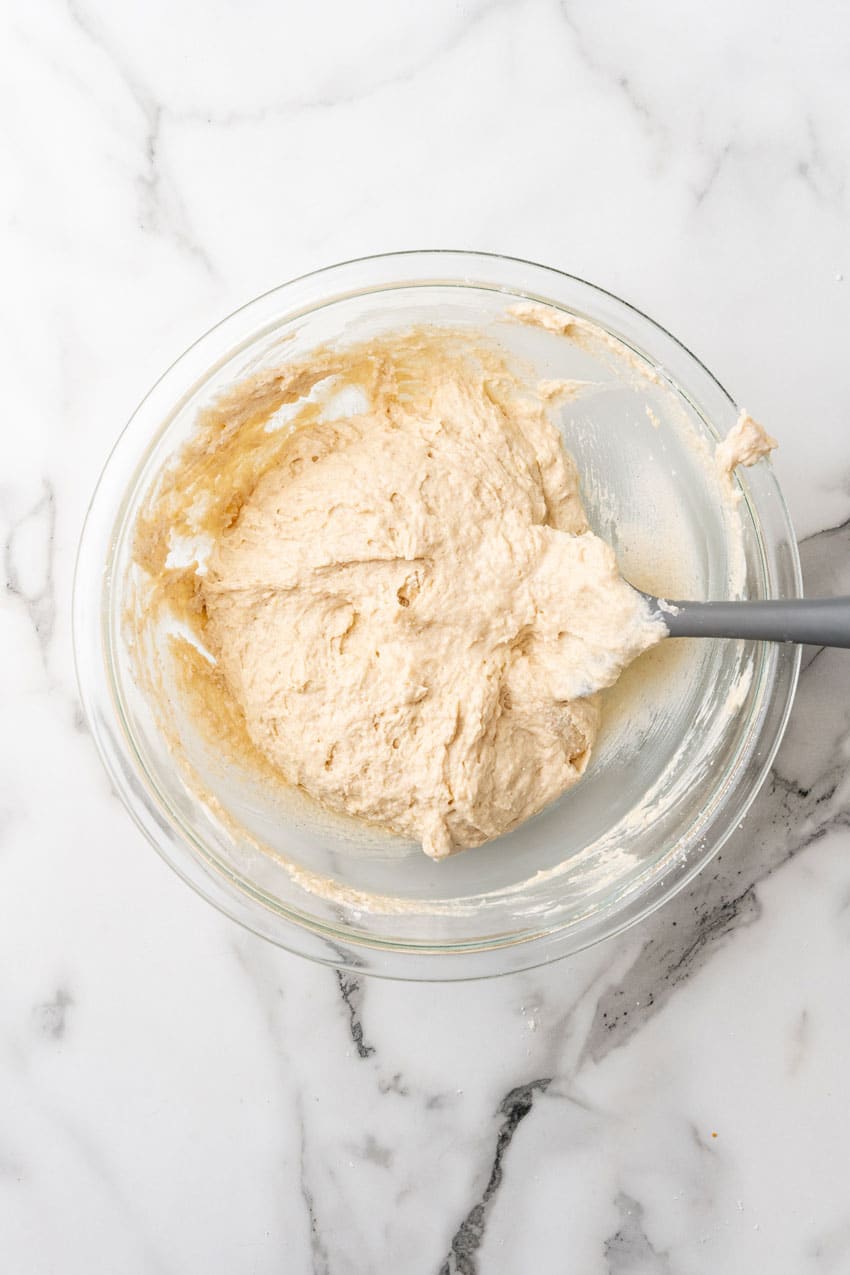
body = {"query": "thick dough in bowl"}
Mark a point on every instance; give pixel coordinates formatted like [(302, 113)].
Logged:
[(409, 609)]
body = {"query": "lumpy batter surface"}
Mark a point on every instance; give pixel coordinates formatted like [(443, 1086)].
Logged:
[(407, 605)]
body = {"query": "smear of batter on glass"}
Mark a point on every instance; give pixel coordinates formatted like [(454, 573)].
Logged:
[(745, 444)]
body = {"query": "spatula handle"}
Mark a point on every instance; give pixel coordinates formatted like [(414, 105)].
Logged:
[(815, 621)]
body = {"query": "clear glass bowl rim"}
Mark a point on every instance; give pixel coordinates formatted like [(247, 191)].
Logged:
[(282, 304)]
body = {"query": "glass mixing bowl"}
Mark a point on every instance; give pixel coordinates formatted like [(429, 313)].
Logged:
[(689, 731)]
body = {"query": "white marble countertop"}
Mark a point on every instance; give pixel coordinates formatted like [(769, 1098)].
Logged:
[(177, 1095)]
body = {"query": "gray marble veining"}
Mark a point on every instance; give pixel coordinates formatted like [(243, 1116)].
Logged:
[(177, 1095)]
